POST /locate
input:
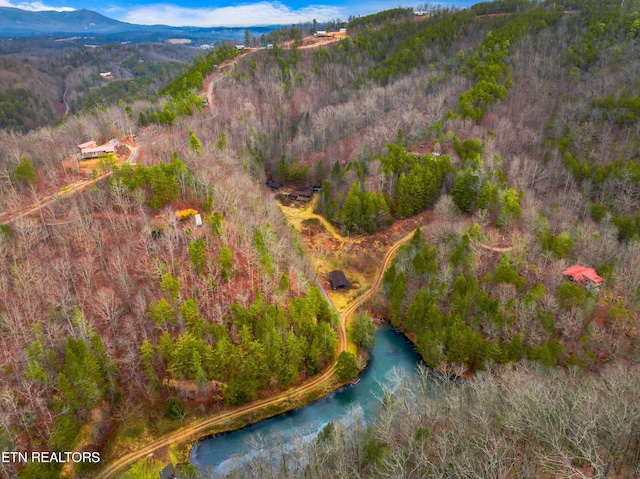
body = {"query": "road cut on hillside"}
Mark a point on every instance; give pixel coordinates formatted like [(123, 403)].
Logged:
[(193, 432)]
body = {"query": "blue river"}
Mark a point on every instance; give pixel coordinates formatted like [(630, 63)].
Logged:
[(392, 355)]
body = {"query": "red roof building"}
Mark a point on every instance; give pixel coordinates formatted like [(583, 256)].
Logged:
[(583, 276)]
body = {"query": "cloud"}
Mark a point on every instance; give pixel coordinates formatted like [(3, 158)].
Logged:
[(262, 13), (34, 6)]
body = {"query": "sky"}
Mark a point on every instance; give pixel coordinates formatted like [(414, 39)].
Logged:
[(205, 13)]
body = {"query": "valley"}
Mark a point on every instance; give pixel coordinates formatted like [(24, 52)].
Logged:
[(473, 173)]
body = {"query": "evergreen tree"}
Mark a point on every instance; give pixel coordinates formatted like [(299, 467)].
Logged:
[(293, 360), (489, 197), (362, 332), (416, 318), (191, 317), (147, 351), (389, 276), (190, 358), (194, 143), (429, 254), (351, 212), (25, 172), (161, 312), (170, 285), (197, 255), (464, 190), (175, 409), (226, 264), (570, 295), (326, 340), (418, 264), (396, 297), (165, 346), (465, 346), (284, 282), (416, 239), (402, 198), (347, 367), (216, 221), (462, 297), (282, 172), (505, 273), (511, 209)]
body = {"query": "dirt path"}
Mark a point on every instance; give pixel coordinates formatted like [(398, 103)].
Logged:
[(297, 216), (307, 43), (495, 248), (64, 102), (217, 74), (312, 41), (193, 432), (210, 94), (321, 43), (65, 191), (68, 190)]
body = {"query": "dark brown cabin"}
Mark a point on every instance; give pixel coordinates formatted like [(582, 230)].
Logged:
[(338, 280), (274, 185), (301, 195), (168, 472)]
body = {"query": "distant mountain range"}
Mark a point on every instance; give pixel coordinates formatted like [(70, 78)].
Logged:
[(15, 22)]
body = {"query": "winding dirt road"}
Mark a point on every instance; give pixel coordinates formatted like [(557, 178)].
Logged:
[(191, 433), (66, 191), (307, 43)]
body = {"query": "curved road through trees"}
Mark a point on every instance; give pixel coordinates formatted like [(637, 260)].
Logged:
[(66, 191), (197, 430)]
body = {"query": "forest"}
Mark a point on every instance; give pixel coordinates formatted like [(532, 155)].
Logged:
[(523, 179), (42, 81), (121, 320), (128, 303), (526, 422)]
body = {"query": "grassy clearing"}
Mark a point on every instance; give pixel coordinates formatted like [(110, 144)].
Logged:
[(146, 468), (328, 250), (296, 216), (139, 428)]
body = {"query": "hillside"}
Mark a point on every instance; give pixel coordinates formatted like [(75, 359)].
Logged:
[(53, 67), (120, 280), (525, 179), (42, 85), (503, 135), (512, 123)]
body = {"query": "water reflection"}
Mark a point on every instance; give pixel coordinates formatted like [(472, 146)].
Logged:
[(285, 437)]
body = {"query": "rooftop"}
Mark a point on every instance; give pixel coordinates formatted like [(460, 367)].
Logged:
[(338, 280), (580, 273), (168, 472)]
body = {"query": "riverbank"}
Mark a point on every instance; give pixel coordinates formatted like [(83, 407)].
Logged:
[(255, 417), (229, 420), (322, 382), (392, 354), (268, 413)]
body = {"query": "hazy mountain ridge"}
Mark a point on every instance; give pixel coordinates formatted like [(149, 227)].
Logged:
[(15, 22), (541, 177), (45, 54)]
